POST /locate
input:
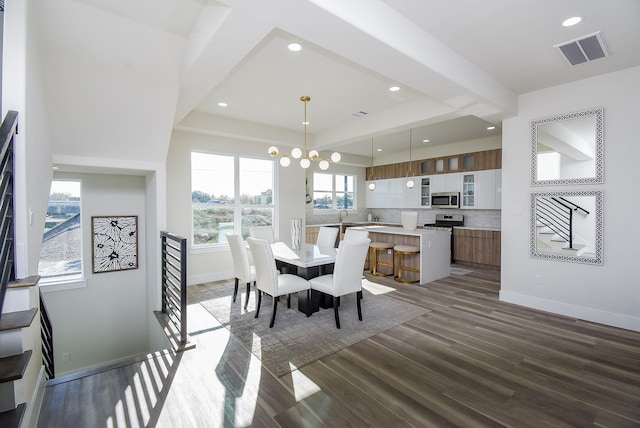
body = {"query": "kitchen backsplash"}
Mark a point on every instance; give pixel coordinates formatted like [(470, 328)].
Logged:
[(489, 219)]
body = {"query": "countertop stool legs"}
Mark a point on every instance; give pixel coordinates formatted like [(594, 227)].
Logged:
[(405, 250), (375, 263)]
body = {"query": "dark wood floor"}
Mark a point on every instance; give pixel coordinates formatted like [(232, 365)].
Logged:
[(471, 361)]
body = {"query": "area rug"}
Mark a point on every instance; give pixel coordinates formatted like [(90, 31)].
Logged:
[(295, 340)]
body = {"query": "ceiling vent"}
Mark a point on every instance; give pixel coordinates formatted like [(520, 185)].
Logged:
[(359, 113), (583, 49)]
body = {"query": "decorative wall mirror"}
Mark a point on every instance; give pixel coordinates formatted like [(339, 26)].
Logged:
[(567, 149), (567, 226)]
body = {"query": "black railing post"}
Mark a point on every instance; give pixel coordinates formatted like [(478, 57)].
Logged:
[(174, 282)]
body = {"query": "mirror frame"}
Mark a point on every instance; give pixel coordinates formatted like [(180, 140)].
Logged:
[(597, 259), (599, 148)]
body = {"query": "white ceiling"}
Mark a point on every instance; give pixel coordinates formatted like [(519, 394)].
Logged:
[(460, 64)]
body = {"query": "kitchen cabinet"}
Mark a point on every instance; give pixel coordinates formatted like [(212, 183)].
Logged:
[(482, 190), (424, 199), (376, 198), (468, 197), (452, 182), (477, 247)]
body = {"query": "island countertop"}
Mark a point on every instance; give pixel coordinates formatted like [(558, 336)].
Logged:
[(401, 231)]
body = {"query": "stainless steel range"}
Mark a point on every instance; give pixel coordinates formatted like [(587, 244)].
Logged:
[(447, 221)]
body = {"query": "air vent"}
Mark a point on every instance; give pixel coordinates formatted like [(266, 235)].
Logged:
[(359, 113), (583, 49)]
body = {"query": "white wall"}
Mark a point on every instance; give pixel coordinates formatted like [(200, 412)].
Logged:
[(609, 293), (215, 263), (22, 91), (108, 319)]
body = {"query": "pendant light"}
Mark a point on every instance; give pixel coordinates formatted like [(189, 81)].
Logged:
[(304, 156), (372, 177), (410, 181)]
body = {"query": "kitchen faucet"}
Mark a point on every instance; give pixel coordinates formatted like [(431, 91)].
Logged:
[(340, 215)]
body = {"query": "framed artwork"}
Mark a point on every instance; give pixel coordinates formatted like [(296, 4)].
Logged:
[(114, 242)]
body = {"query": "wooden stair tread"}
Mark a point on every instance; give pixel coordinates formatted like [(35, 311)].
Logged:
[(17, 320), (13, 418), (13, 367), (29, 281)]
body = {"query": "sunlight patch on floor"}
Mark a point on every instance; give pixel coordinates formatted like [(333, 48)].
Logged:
[(303, 387), (376, 289)]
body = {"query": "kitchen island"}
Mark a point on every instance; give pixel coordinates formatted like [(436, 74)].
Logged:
[(435, 249)]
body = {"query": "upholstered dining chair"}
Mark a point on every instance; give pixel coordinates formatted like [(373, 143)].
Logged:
[(262, 232), (242, 268), (327, 236), (351, 234), (269, 281), (347, 275)]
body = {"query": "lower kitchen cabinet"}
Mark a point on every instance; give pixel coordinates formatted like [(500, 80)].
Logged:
[(477, 247)]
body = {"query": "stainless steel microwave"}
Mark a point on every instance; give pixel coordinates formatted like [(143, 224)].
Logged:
[(445, 200)]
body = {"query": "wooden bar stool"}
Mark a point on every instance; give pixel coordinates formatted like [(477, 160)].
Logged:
[(405, 250), (375, 263)]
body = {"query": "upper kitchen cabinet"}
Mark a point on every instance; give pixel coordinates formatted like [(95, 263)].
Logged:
[(482, 189)]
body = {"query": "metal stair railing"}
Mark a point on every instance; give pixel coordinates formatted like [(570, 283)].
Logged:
[(174, 282), (556, 213), (8, 130)]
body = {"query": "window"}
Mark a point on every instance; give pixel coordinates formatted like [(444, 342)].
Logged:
[(228, 195), (333, 191), (61, 253)]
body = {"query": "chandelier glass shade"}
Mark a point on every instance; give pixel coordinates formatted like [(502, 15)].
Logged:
[(306, 157), (410, 182)]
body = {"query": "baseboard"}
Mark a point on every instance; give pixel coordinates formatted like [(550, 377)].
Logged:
[(33, 409), (209, 277), (588, 314)]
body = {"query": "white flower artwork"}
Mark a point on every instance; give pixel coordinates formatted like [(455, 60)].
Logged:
[(114, 243)]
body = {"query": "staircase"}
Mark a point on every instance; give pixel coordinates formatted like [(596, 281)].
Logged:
[(20, 310)]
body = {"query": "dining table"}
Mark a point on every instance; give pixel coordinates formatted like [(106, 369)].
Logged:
[(307, 261)]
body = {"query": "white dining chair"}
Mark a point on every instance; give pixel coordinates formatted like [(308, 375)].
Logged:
[(327, 236), (262, 232), (351, 234), (242, 268), (347, 275), (269, 281)]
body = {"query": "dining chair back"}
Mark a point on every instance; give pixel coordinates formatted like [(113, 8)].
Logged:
[(351, 234), (269, 281), (347, 275), (347, 271), (327, 236), (243, 271), (262, 232)]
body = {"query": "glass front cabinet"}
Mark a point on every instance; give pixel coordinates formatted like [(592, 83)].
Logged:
[(425, 192), (468, 191)]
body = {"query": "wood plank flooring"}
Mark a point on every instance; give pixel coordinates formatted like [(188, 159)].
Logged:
[(471, 361)]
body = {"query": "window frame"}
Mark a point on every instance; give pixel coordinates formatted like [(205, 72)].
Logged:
[(73, 280), (237, 206), (335, 192)]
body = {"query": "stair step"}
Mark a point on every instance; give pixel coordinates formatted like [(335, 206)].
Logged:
[(13, 367), (12, 418), (17, 320), (29, 281)]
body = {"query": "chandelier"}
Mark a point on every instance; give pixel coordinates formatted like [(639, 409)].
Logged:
[(410, 175), (372, 177), (305, 156)]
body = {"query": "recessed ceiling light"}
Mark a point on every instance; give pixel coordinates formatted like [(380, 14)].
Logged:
[(378, 150), (425, 141), (221, 104), (294, 47), (571, 21), (394, 88), (491, 128), (305, 123)]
